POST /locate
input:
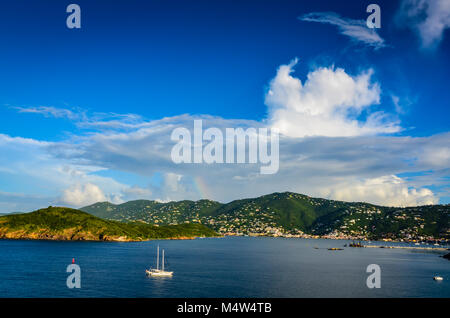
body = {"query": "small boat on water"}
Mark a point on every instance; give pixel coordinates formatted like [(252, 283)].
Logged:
[(354, 244), (156, 271), (439, 278), (335, 249)]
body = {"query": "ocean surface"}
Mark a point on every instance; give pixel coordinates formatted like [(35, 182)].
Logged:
[(219, 267)]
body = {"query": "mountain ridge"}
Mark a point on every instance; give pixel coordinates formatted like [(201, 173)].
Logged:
[(288, 214)]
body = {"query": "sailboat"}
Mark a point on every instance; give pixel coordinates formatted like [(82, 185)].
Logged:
[(156, 271)]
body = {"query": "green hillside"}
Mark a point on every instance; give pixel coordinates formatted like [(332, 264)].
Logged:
[(288, 214), (58, 223), (154, 212)]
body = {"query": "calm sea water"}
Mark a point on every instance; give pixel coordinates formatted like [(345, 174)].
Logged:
[(219, 267)]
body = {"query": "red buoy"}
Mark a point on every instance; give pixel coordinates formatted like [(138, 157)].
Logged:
[(73, 260)]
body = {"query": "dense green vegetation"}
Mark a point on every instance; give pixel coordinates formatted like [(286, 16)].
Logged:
[(138, 210), (70, 224), (386, 222), (288, 213)]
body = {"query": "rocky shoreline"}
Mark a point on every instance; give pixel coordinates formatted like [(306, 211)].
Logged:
[(88, 238)]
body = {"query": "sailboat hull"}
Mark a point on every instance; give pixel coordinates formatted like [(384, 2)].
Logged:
[(158, 273)]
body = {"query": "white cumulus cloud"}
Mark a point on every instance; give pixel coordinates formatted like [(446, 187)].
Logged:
[(386, 190), (326, 104), (81, 195)]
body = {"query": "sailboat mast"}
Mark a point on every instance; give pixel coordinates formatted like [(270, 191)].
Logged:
[(163, 261), (157, 259)]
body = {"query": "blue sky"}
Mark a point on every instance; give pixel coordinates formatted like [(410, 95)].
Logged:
[(137, 62)]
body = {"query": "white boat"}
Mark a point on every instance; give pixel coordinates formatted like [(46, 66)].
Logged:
[(438, 278), (156, 271)]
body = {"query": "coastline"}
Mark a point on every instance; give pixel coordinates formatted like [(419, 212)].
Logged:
[(107, 240), (181, 238), (410, 247), (440, 248)]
